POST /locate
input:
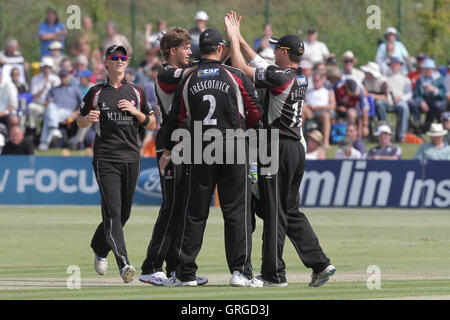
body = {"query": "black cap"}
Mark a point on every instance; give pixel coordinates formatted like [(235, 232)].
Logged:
[(210, 37), (113, 48), (291, 43)]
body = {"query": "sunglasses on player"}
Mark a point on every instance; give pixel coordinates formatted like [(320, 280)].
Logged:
[(115, 57)]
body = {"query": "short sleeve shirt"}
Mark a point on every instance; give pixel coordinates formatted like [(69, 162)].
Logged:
[(284, 98), (116, 137), (390, 150)]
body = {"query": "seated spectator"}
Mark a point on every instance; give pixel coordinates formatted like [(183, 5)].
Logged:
[(56, 54), (400, 93), (322, 104), (130, 75), (350, 105), (9, 100), (320, 67), (447, 84), (51, 30), (349, 60), (438, 148), (385, 150), (391, 48), (40, 86), (445, 119), (85, 81), (352, 133), (17, 144), (376, 86), (429, 96), (263, 42), (201, 18), (62, 103), (346, 150), (414, 75), (315, 50), (113, 37), (313, 150), (15, 79), (11, 58)]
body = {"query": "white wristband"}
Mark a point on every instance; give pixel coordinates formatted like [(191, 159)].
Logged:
[(259, 62)]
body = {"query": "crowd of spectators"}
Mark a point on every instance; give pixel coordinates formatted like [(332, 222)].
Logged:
[(345, 105)]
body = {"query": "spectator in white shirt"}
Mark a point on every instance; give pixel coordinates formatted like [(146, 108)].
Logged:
[(346, 150), (315, 50), (322, 103), (11, 58), (40, 86), (9, 100)]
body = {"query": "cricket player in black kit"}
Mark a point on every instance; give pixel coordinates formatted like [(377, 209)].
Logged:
[(279, 202), (117, 109), (163, 246), (219, 97)]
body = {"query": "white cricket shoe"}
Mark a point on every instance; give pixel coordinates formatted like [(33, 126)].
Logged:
[(239, 280), (127, 273), (173, 281), (267, 283), (318, 279), (155, 278), (101, 265)]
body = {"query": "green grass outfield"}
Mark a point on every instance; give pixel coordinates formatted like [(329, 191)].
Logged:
[(411, 248)]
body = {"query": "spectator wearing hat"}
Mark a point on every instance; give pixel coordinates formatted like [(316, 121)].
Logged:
[(438, 148), (385, 150), (315, 50), (429, 96), (314, 141), (350, 103), (400, 92), (62, 103), (391, 48), (56, 55), (18, 144), (201, 18), (376, 85), (349, 60), (85, 81), (322, 104), (346, 150), (307, 69), (40, 86), (445, 120)]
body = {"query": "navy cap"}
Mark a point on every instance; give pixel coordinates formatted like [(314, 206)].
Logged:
[(114, 48), (210, 37), (85, 73), (291, 43), (64, 72)]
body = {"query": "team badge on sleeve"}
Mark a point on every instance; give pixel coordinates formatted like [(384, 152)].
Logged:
[(260, 73), (301, 81)]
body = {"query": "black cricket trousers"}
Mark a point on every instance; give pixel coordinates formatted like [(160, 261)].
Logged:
[(117, 184), (164, 244), (234, 192), (279, 206)]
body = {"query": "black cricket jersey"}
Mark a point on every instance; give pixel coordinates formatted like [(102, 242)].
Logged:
[(218, 96), (166, 83), (117, 131), (284, 98)]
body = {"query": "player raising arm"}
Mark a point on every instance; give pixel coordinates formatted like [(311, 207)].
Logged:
[(279, 202)]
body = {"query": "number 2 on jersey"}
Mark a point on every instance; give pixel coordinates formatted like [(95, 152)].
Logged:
[(212, 106)]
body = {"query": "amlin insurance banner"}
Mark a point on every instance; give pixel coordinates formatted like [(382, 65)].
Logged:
[(326, 183)]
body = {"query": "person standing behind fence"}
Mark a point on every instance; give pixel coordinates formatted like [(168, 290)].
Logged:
[(117, 109), (51, 30)]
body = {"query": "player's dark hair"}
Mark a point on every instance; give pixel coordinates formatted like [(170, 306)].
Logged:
[(56, 15), (207, 47), (173, 38), (295, 58)]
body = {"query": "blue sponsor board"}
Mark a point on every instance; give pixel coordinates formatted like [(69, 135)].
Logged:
[(326, 183)]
